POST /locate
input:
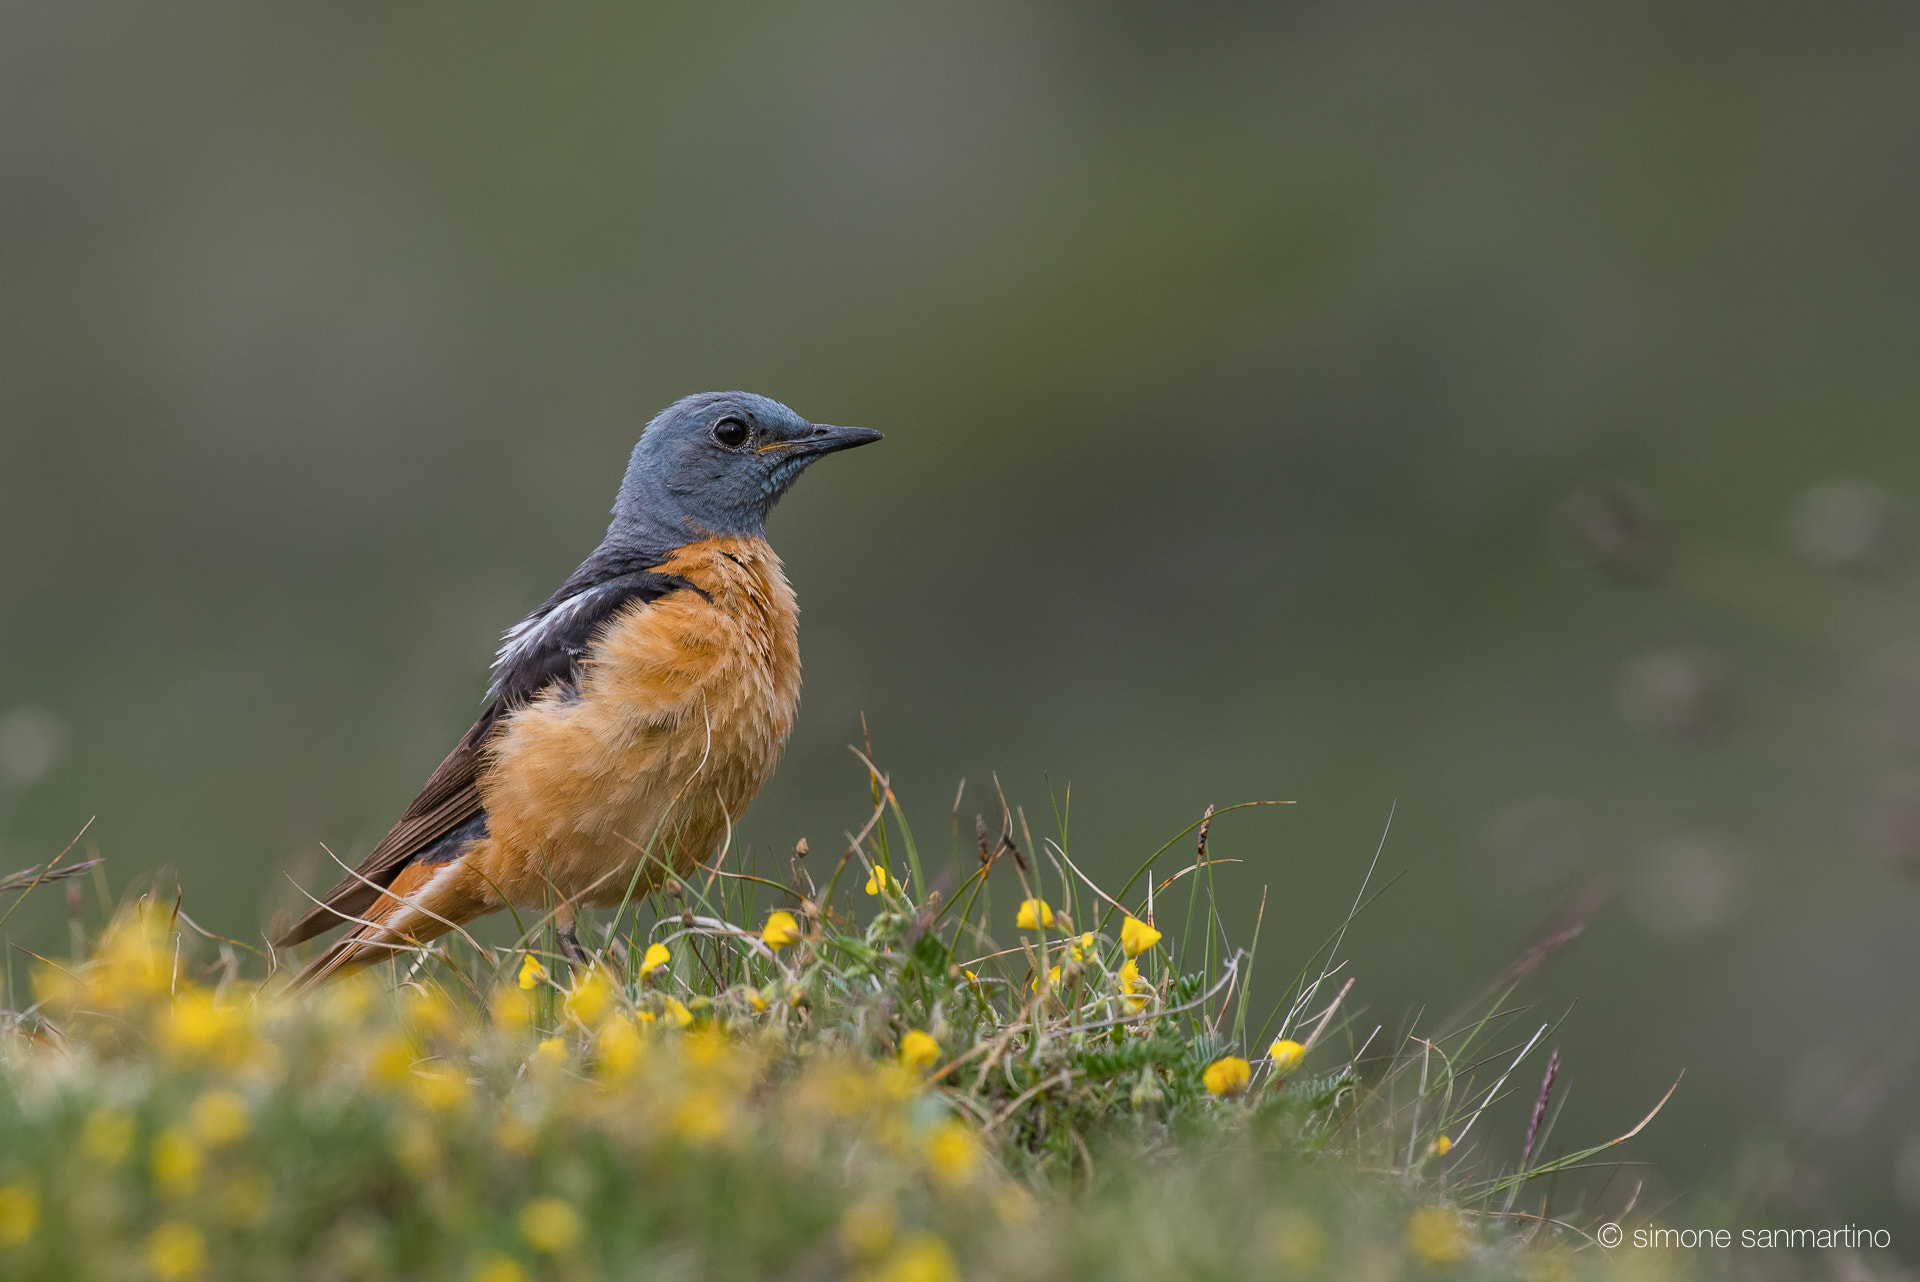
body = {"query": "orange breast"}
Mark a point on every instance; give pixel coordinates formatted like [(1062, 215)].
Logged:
[(684, 705)]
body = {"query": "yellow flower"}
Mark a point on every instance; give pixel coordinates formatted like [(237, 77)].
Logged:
[(757, 999), (701, 1116), (1441, 1146), (920, 1258), (550, 1053), (512, 1010), (550, 1225), (177, 1158), (219, 1117), (197, 1028), (877, 879), (392, 1060), (19, 1213), (1034, 915), (531, 971), (176, 1252), (133, 961), (1053, 978), (952, 1153), (107, 1137), (431, 1010), (620, 1046), (58, 987), (705, 1048), (1435, 1235), (499, 1268), (781, 929), (1227, 1076), (677, 1013), (918, 1049), (589, 997), (1132, 987), (891, 1081), (657, 957), (1286, 1055), (1136, 936), (346, 1001), (1082, 948), (439, 1092)]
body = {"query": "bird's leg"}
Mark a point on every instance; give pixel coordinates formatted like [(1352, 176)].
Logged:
[(569, 936)]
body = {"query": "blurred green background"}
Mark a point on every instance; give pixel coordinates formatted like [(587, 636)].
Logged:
[(1511, 411)]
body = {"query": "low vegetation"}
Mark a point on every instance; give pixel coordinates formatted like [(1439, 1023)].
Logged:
[(1001, 1071)]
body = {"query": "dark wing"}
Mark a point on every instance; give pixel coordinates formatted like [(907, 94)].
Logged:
[(547, 646), (544, 649)]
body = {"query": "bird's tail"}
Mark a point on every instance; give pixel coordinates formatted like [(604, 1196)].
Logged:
[(424, 902)]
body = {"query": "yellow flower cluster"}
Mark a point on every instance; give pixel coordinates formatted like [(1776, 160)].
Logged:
[(457, 1086), (515, 1120), (1083, 951)]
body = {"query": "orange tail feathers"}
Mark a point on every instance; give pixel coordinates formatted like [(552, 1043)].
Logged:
[(424, 902)]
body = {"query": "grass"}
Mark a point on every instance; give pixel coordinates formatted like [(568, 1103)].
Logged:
[(993, 1070)]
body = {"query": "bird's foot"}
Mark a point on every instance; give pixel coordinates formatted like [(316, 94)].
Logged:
[(570, 945)]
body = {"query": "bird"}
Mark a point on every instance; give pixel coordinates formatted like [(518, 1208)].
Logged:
[(630, 718)]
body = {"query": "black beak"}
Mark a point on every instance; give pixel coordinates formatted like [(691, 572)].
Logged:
[(825, 440)]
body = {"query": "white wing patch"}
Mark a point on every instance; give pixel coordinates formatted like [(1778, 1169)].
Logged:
[(537, 632)]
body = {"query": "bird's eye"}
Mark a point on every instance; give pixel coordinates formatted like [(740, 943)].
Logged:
[(730, 432)]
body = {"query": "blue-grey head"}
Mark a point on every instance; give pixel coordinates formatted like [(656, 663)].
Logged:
[(715, 464)]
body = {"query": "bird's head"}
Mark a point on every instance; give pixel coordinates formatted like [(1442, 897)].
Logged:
[(715, 464)]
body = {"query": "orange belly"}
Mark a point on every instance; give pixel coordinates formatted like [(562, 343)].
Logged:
[(683, 707)]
